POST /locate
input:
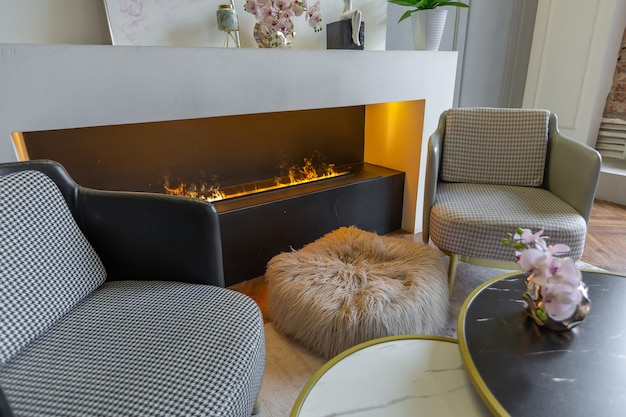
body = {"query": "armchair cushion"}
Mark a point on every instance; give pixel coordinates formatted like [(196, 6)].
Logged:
[(46, 264), (144, 348), (495, 146), (471, 219)]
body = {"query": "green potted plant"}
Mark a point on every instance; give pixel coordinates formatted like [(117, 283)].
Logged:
[(428, 24)]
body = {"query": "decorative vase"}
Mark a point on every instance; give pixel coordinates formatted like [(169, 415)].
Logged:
[(266, 38), (428, 28), (533, 305)]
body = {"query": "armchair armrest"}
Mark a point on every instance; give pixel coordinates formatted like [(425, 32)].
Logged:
[(152, 236), (433, 163), (573, 171)]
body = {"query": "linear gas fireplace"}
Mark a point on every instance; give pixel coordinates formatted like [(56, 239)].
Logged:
[(278, 180), (310, 170)]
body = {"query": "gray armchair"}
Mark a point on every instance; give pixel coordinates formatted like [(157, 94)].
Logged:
[(490, 171), (112, 303)]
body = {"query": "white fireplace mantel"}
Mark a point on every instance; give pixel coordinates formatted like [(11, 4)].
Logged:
[(46, 87)]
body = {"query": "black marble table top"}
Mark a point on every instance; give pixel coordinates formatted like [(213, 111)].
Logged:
[(521, 369)]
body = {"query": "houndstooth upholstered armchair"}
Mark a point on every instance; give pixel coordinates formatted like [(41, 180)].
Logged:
[(492, 170), (112, 304)]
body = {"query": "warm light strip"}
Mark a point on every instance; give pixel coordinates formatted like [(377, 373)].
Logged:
[(20, 146)]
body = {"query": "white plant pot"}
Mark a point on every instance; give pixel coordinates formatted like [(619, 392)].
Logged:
[(428, 28)]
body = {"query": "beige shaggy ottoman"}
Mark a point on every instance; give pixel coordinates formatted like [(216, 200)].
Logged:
[(351, 286)]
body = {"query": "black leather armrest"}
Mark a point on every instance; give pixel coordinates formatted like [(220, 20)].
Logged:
[(152, 236)]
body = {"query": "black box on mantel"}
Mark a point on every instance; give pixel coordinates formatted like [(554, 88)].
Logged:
[(339, 35)]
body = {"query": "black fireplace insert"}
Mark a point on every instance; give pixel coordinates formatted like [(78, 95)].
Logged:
[(241, 156)]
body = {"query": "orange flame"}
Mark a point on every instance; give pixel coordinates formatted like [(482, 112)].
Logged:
[(297, 175), (203, 191)]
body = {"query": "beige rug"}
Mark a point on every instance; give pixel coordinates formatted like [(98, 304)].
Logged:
[(289, 366)]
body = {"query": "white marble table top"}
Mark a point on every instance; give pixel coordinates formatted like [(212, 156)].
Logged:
[(392, 376)]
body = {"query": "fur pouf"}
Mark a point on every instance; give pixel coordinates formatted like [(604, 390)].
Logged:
[(351, 286)]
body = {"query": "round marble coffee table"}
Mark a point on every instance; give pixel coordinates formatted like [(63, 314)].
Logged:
[(392, 376)]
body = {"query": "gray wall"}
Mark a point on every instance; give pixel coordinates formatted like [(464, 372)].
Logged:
[(493, 38)]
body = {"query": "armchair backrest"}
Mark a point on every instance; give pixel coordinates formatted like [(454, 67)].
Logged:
[(495, 146), (46, 263)]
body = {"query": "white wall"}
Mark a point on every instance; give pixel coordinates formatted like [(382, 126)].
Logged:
[(54, 21)]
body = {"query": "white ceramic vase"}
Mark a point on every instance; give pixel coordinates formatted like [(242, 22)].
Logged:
[(428, 28)]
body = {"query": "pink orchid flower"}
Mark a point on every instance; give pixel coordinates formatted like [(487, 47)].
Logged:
[(274, 15), (298, 8), (558, 278), (536, 262), (565, 272), (528, 237), (560, 300)]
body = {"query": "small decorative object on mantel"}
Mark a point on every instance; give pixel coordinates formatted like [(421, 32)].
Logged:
[(227, 21), (347, 33), (555, 297), (428, 21), (274, 27), (339, 35)]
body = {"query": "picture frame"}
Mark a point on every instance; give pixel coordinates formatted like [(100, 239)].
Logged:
[(190, 23)]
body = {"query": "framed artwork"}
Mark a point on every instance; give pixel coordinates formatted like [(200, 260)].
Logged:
[(163, 22)]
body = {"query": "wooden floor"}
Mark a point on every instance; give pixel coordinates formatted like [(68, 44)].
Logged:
[(605, 247)]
